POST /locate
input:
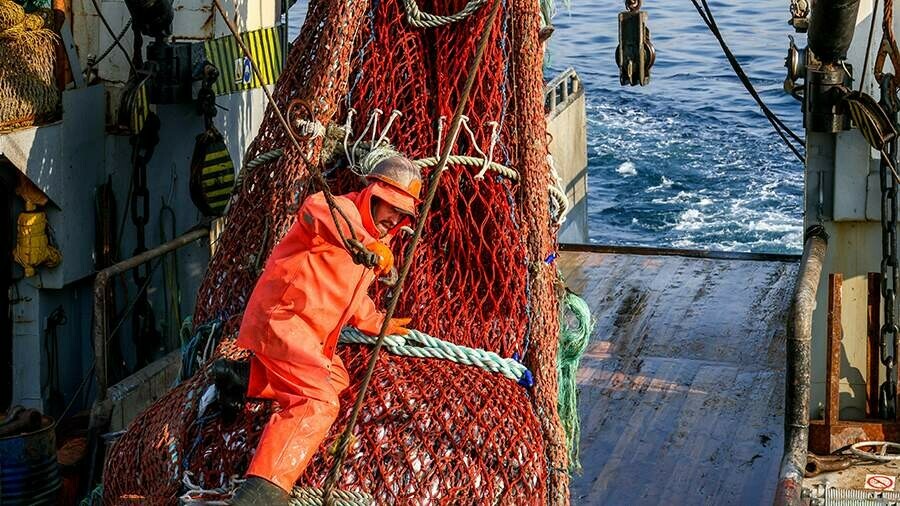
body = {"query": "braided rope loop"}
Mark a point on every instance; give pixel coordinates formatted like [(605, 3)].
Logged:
[(470, 161), (421, 345), (421, 19)]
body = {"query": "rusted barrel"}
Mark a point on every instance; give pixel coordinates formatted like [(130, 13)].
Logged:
[(29, 474)]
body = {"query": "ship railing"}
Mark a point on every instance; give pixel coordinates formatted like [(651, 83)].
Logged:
[(103, 277), (102, 409), (564, 89), (799, 339)]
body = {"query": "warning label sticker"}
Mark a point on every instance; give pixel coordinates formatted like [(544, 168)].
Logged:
[(880, 482)]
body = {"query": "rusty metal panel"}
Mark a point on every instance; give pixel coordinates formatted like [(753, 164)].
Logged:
[(833, 366), (682, 385)]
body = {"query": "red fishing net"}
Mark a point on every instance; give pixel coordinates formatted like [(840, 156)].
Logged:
[(430, 431)]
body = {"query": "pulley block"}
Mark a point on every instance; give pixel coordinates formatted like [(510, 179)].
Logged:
[(212, 173), (635, 53)]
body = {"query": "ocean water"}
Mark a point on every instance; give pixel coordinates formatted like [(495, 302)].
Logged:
[(688, 161)]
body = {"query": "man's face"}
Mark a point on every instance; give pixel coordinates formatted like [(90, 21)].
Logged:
[(386, 216)]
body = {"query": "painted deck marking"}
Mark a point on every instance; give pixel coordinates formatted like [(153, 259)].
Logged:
[(880, 482)]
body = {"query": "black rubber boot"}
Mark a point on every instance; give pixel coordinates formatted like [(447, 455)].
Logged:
[(258, 492), (231, 378)]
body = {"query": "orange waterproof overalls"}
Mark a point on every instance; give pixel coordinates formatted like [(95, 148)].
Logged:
[(309, 290)]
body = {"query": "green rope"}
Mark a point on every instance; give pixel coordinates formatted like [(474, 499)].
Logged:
[(309, 496), (95, 497), (421, 345), (575, 330)]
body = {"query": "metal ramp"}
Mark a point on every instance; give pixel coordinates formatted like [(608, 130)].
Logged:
[(682, 386)]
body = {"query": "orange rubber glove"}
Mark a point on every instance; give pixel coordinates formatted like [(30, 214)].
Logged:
[(397, 326), (385, 257)]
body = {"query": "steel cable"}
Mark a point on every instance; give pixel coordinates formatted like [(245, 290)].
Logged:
[(343, 442), (780, 127)]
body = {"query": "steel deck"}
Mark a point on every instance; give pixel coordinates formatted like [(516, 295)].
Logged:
[(682, 386)]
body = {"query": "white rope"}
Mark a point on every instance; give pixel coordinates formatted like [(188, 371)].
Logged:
[(348, 127), (558, 193), (394, 115), (471, 161), (495, 137), (375, 114), (372, 117), (465, 124), (311, 129), (440, 131), (421, 19), (198, 495)]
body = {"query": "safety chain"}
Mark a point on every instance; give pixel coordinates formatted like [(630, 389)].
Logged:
[(633, 5), (887, 394), (421, 19), (143, 145)]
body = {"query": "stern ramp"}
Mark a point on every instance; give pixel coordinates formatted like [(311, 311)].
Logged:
[(681, 389)]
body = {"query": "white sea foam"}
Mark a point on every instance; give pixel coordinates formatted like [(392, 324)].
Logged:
[(665, 183), (692, 219), (627, 169), (680, 198)]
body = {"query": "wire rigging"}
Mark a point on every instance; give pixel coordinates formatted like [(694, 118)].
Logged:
[(780, 127), (94, 61), (116, 40)]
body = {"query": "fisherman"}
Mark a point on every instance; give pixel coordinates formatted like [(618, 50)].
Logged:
[(310, 289)]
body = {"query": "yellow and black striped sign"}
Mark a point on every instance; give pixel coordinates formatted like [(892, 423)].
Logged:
[(235, 73)]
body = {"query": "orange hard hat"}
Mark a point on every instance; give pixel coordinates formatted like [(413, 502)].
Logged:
[(403, 182)]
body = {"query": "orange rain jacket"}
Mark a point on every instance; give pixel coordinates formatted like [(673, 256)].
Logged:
[(309, 290)]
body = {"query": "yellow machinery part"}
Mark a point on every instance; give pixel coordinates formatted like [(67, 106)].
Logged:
[(32, 244)]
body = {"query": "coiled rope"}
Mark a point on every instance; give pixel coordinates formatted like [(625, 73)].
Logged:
[(300, 496), (574, 333), (421, 19), (421, 345)]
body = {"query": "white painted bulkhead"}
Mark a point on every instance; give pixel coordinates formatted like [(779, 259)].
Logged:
[(842, 192)]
